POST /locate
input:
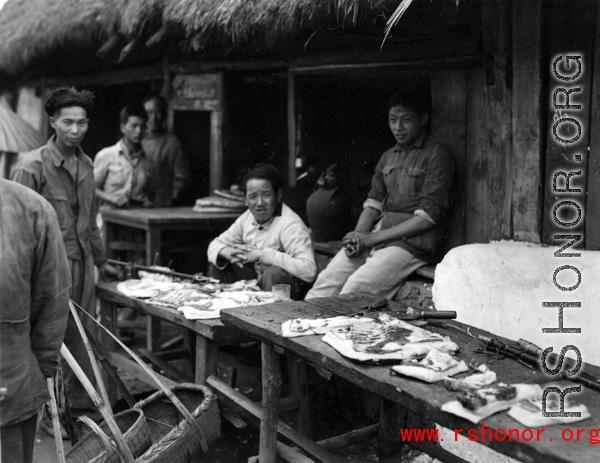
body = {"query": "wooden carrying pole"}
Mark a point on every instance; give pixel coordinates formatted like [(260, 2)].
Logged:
[(168, 392), (123, 449), (88, 348), (60, 451)]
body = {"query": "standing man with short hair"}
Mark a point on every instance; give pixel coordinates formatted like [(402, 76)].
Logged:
[(62, 173), (34, 296), (168, 167), (121, 171), (409, 198)]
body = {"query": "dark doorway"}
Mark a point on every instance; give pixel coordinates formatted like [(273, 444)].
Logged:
[(193, 130)]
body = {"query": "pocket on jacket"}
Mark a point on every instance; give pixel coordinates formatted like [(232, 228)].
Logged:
[(415, 177)]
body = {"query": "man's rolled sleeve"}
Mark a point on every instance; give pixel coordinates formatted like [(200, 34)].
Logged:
[(297, 256), (434, 199)]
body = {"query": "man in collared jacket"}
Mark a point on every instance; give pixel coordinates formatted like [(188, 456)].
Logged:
[(409, 199), (62, 173), (34, 294)]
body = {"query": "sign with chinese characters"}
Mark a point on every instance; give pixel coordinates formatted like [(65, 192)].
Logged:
[(203, 86)]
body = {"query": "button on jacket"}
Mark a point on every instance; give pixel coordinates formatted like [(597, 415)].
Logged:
[(73, 199), (34, 295)]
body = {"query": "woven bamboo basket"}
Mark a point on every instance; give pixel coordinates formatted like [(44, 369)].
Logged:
[(92, 446), (175, 439)]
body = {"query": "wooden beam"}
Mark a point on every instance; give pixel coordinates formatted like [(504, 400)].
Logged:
[(316, 452), (527, 171), (112, 77), (592, 209), (350, 438)]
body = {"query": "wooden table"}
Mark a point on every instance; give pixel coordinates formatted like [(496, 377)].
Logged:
[(209, 334), (264, 323), (156, 221)]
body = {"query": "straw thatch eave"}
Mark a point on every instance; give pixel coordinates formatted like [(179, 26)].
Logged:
[(30, 29), (268, 21)]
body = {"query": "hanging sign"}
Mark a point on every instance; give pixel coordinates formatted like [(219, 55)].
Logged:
[(203, 86)]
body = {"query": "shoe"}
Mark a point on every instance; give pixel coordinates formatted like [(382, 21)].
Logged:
[(46, 426)]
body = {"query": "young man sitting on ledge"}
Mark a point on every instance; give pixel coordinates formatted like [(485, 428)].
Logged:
[(268, 242), (410, 196)]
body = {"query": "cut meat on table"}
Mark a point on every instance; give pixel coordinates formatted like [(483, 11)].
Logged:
[(388, 339), (434, 367)]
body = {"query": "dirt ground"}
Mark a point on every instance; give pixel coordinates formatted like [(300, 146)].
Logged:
[(336, 407)]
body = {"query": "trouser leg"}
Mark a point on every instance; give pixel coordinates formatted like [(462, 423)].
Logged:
[(231, 273), (331, 280), (273, 275), (17, 441), (383, 272)]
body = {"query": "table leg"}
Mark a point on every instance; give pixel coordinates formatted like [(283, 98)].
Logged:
[(108, 318), (299, 389), (153, 247), (153, 333), (271, 387), (207, 352)]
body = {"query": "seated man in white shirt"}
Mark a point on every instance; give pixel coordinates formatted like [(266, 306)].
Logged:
[(268, 242)]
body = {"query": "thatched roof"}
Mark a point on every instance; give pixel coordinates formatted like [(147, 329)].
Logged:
[(31, 31), (32, 28), (240, 21)]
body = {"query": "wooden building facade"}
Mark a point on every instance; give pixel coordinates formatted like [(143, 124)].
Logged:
[(316, 92)]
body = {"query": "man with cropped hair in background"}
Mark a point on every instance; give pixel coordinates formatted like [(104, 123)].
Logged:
[(121, 171), (167, 164)]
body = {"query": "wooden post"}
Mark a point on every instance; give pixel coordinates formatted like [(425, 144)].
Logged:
[(490, 161), (206, 359), (527, 171), (448, 125), (271, 387), (577, 24), (292, 138), (593, 188), (299, 389)]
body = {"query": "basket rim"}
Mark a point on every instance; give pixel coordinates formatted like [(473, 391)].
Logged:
[(209, 396)]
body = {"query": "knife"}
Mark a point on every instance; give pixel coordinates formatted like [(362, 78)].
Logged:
[(426, 315)]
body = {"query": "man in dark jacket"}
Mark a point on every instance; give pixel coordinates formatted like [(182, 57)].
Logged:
[(62, 173), (34, 293)]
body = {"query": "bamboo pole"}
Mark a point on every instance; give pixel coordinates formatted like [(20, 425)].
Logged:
[(168, 392), (94, 363), (123, 450), (60, 450)]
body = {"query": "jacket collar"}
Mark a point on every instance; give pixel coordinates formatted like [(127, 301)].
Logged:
[(58, 158)]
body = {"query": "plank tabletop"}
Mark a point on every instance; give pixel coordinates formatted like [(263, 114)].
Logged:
[(211, 329), (264, 323), (166, 215)]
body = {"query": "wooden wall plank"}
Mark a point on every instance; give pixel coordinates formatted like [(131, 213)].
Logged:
[(592, 210), (448, 125), (571, 24), (527, 171), (489, 129)]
